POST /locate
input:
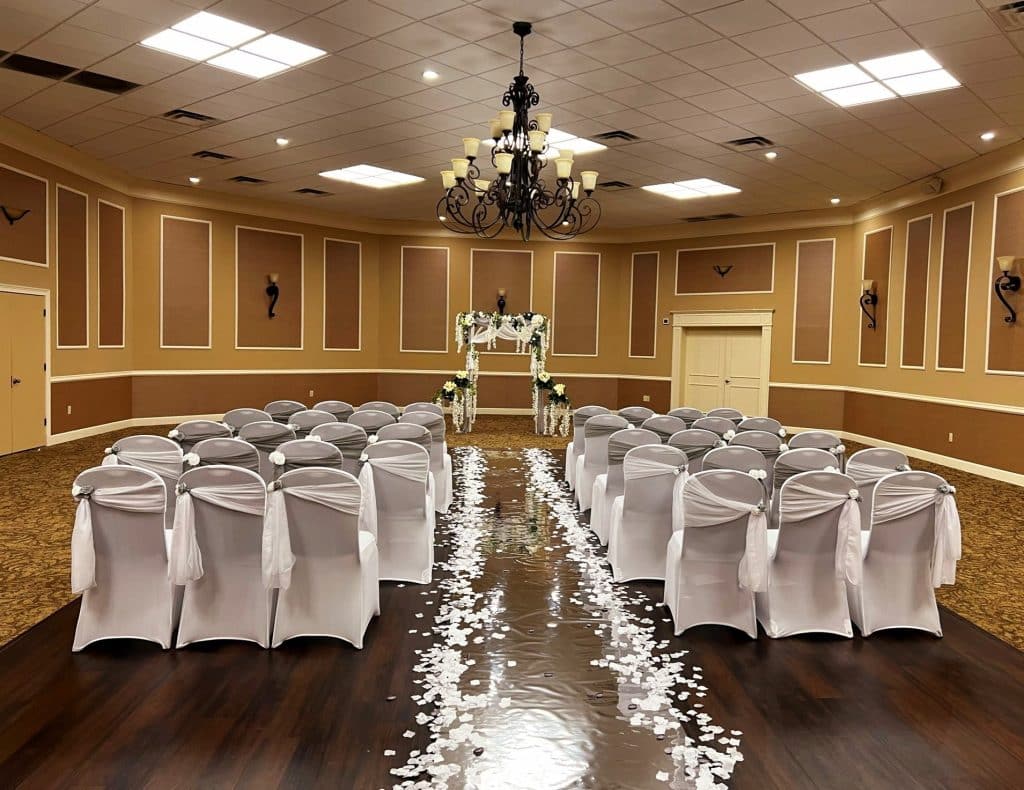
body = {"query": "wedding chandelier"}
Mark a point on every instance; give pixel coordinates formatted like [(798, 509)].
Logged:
[(518, 198)]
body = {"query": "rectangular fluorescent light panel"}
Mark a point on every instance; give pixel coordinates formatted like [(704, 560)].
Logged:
[(216, 40), (906, 74), (564, 141), (693, 188), (370, 176)]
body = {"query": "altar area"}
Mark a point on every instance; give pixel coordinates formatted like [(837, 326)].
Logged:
[(530, 332)]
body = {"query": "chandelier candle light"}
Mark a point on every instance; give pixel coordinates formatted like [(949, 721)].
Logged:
[(518, 198)]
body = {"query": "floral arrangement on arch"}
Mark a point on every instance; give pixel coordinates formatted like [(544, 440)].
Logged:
[(529, 330), (459, 393), (558, 411)]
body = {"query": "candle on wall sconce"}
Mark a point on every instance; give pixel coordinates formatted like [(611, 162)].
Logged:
[(501, 301), (869, 301), (1006, 282), (273, 292)]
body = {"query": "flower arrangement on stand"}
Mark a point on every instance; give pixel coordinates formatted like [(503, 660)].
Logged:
[(459, 393), (558, 411)]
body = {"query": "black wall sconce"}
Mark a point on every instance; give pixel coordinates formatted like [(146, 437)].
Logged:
[(273, 292), (501, 301), (1006, 282), (12, 215), (869, 302)]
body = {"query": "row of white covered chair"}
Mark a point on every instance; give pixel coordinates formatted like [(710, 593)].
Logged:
[(283, 411), (302, 556), (706, 535)]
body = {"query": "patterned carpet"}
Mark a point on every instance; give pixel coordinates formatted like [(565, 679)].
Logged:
[(37, 513)]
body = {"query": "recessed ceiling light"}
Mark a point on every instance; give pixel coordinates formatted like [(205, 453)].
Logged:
[(183, 45), (986, 136), (370, 176), (283, 50), (194, 179), (430, 74), (248, 64), (834, 201), (568, 142), (693, 188), (835, 77), (218, 28), (859, 94), (771, 155), (901, 65), (282, 141)]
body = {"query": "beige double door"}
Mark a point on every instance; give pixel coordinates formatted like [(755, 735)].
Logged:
[(22, 372), (723, 368)]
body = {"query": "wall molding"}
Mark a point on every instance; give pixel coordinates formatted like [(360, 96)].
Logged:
[(966, 404), (114, 374)]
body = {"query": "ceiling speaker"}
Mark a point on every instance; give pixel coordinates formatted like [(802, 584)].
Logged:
[(933, 186)]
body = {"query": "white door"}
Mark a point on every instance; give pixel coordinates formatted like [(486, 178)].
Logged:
[(22, 372), (723, 368)]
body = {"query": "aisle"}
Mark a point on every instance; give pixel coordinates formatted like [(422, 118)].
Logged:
[(543, 673)]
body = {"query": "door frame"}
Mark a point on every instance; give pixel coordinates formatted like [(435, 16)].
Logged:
[(45, 293), (720, 319)]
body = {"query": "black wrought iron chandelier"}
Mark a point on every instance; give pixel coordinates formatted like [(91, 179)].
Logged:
[(518, 198)]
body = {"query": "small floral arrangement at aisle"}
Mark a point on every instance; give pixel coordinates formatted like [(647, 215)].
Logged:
[(557, 411), (459, 392), (543, 381)]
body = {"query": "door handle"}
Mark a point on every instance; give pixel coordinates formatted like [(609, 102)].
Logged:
[(727, 381), (15, 381)]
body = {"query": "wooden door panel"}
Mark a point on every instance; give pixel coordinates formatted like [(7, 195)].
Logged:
[(27, 357), (6, 332), (742, 383)]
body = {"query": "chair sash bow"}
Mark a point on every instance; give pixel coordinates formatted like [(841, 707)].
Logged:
[(166, 463)]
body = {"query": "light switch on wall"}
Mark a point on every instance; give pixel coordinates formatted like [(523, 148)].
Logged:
[(69, 408), (311, 393), (950, 436), (647, 398)]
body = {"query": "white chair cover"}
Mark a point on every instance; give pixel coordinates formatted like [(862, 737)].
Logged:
[(381, 405), (766, 424), (722, 426), (794, 462), (266, 437), (157, 454), (770, 445), (696, 443), (609, 485), (371, 420), (223, 452), (642, 519), (719, 555), (687, 414), (911, 548), (594, 460), (739, 458), (303, 453), (440, 461), (216, 553), (636, 415), (433, 408), (822, 440), (281, 410), (575, 448), (189, 433), (236, 419), (869, 466), (119, 557), (302, 422), (339, 408), (332, 586), (397, 483), (815, 551), (664, 426), (733, 415), (350, 439)]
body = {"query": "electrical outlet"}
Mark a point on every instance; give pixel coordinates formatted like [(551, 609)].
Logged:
[(647, 398), (950, 436), (311, 393), (664, 321), (69, 408)]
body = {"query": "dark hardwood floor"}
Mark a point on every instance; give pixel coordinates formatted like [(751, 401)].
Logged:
[(897, 710)]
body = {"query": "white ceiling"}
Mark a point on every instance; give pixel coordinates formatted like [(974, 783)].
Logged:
[(683, 75)]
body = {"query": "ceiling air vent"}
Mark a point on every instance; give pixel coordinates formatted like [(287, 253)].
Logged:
[(189, 118), (102, 82), (1009, 16), (212, 155), (613, 185), (38, 67), (247, 180), (711, 217), (617, 134), (312, 191), (749, 143)]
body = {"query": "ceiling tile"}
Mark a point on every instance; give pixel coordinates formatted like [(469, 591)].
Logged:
[(604, 80), (378, 54), (471, 24), (719, 100), (746, 73), (576, 28), (421, 9), (620, 49), (677, 34), (799, 9), (322, 34), (534, 10), (781, 38), (566, 63), (858, 21), (801, 60), (876, 45), (364, 17), (952, 29), (742, 17), (632, 14), (421, 39), (690, 84), (714, 53), (656, 67), (910, 12)]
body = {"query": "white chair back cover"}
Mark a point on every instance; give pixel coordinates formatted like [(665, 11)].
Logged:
[(397, 483), (719, 555), (216, 552), (767, 424), (266, 437), (328, 575), (381, 405), (687, 414), (304, 453), (822, 440), (817, 552), (735, 416), (302, 422), (237, 418), (912, 548), (281, 410), (608, 485), (636, 414), (722, 426), (440, 461), (119, 557), (407, 432), (350, 439), (339, 408), (155, 453), (869, 466), (740, 459), (595, 454), (664, 426), (695, 442), (642, 518), (371, 420), (433, 408), (793, 462), (574, 449), (224, 452), (770, 445), (189, 433)]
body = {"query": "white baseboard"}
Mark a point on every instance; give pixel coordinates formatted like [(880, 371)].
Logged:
[(138, 422), (981, 470)]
